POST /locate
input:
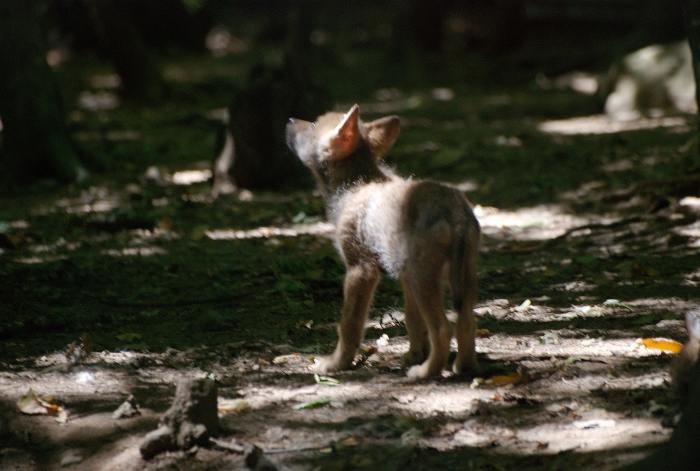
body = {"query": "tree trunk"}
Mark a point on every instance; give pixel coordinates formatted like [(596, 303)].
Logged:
[(35, 140), (123, 45), (691, 11)]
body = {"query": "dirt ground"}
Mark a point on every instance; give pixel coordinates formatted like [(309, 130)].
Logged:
[(139, 278)]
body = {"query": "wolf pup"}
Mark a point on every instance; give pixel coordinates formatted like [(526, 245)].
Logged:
[(416, 230)]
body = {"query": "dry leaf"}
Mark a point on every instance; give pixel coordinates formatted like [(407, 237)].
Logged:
[(365, 353), (346, 442), (32, 404), (29, 404), (524, 307), (483, 333), (231, 405), (166, 223), (665, 345), (500, 380)]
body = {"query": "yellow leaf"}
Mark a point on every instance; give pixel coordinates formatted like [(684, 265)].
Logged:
[(665, 345), (500, 380), (346, 442), (231, 405), (369, 351)]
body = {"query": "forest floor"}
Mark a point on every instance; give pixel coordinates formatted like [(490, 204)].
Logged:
[(127, 284)]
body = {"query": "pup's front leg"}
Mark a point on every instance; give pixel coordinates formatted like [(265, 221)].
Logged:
[(361, 280), (428, 298)]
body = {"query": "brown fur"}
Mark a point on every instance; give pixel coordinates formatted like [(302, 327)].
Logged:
[(683, 364), (416, 230)]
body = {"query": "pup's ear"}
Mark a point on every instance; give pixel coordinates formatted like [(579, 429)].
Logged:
[(382, 133), (345, 136)]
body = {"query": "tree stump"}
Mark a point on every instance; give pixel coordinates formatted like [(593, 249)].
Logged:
[(189, 422)]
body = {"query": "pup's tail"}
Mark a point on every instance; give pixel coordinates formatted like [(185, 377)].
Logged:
[(463, 282)]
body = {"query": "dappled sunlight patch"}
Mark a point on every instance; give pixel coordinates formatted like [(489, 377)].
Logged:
[(582, 82), (550, 344), (518, 413), (467, 186), (5, 226), (188, 177), (668, 304), (219, 41), (585, 435), (157, 233), (692, 232), (93, 200), (691, 201), (102, 206), (38, 260), (604, 124), (692, 278), (574, 286), (61, 243), (535, 223), (123, 135), (60, 378), (318, 228), (421, 399), (45, 253), (139, 241), (108, 81), (98, 101), (135, 251), (508, 141)]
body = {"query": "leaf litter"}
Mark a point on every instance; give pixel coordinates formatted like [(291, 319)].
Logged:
[(248, 289)]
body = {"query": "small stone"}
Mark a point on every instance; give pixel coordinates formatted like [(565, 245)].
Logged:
[(71, 457)]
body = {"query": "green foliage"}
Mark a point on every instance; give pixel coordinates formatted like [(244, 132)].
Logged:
[(193, 6)]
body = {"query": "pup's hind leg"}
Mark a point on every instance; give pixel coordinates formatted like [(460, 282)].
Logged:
[(465, 333), (427, 293), (358, 290), (419, 347), (464, 293)]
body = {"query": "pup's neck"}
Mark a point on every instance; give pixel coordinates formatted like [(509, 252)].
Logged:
[(359, 168)]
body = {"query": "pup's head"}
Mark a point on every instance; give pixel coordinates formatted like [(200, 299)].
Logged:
[(336, 136)]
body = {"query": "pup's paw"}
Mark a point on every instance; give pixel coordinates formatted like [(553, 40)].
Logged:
[(326, 365), (413, 357), (465, 365), (418, 372)]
